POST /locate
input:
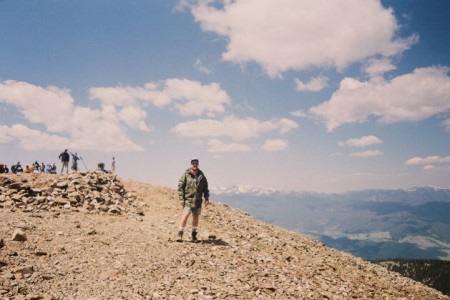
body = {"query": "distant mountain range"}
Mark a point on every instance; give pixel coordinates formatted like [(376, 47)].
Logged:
[(373, 224)]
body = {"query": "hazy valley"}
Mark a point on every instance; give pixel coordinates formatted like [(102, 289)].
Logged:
[(372, 224)]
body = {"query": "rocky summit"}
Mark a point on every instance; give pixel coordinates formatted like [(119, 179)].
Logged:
[(94, 236)]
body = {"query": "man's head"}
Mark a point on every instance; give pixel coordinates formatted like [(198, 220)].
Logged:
[(194, 163)]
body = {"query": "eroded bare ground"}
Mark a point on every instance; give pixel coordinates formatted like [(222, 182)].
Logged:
[(85, 252)]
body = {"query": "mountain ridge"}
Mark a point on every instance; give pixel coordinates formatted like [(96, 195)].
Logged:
[(79, 248), (255, 190)]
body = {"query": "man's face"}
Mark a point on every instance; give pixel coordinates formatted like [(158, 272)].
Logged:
[(194, 165)]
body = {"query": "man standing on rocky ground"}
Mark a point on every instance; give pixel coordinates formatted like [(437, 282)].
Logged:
[(64, 157), (192, 187)]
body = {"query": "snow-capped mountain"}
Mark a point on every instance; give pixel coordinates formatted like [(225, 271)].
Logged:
[(242, 189)]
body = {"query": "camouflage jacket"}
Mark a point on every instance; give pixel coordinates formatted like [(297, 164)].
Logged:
[(191, 188)]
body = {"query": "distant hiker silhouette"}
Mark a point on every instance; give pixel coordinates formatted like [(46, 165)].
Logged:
[(65, 158)]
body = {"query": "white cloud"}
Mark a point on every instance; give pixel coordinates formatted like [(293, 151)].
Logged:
[(411, 97), (66, 124), (32, 139), (316, 84), (134, 117), (50, 106), (368, 153), (125, 95), (284, 125), (429, 168), (233, 127), (217, 146), (5, 136), (201, 67), (281, 35), (189, 98), (275, 145), (375, 67), (103, 129), (364, 141), (195, 99), (429, 160), (299, 113)]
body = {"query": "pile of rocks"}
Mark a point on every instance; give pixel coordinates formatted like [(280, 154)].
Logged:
[(88, 192)]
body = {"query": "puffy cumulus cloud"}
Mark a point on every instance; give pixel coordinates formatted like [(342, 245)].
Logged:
[(217, 146), (284, 125), (189, 98), (364, 141), (66, 124), (275, 145), (299, 113), (134, 117), (411, 97), (193, 98), (32, 139), (377, 67), (5, 137), (296, 34), (368, 153), (316, 84), (233, 127), (121, 108), (429, 168), (426, 161), (50, 106), (107, 136)]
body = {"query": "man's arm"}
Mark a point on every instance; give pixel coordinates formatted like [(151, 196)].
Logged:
[(206, 192), (182, 187)]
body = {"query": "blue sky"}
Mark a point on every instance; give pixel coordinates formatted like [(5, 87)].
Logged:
[(289, 94)]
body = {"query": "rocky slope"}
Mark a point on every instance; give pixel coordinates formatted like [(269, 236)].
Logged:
[(91, 236)]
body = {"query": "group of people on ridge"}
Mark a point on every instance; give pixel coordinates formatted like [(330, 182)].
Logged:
[(35, 167), (64, 157)]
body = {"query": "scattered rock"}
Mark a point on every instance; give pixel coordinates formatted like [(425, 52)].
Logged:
[(19, 236), (25, 270), (123, 246)]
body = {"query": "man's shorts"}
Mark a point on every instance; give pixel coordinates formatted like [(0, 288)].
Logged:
[(192, 210)]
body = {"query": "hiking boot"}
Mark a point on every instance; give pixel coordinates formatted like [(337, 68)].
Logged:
[(194, 237), (180, 235)]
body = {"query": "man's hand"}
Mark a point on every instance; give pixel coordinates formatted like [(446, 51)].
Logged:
[(182, 203), (206, 202)]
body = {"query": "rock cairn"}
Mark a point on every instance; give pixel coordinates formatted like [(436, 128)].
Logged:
[(90, 192)]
